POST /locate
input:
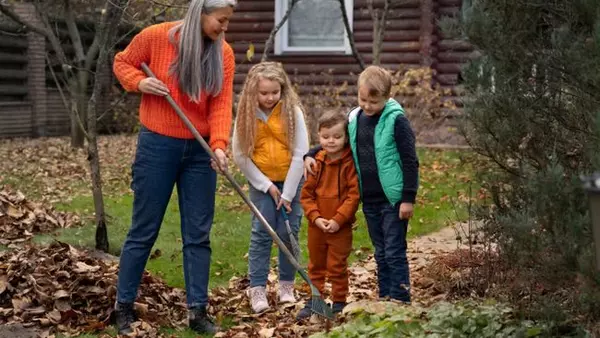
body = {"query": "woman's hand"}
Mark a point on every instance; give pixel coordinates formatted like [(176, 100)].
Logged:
[(222, 159), (154, 86)]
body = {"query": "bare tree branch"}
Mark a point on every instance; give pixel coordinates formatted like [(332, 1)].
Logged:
[(350, 34), (276, 29), (379, 23), (74, 33), (7, 10)]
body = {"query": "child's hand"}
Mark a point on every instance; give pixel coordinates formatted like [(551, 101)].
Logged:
[(275, 193), (309, 164), (406, 211), (322, 224), (286, 204), (333, 226)]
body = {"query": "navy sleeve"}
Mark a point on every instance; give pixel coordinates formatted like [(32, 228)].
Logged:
[(312, 152), (405, 142)]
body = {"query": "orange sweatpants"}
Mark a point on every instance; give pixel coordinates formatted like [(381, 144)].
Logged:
[(328, 254)]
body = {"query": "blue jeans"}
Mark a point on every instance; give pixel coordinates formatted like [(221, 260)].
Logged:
[(259, 254), (388, 235), (160, 163)]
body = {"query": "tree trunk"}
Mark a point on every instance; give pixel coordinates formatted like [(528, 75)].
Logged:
[(106, 31), (78, 103)]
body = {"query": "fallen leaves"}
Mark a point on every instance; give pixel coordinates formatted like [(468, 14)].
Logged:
[(20, 219), (60, 288)]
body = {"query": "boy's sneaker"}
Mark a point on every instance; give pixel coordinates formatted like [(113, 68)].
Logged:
[(200, 322), (286, 292), (338, 307), (258, 299), (305, 312), (124, 317)]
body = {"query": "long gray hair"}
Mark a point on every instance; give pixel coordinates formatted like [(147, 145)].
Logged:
[(199, 62)]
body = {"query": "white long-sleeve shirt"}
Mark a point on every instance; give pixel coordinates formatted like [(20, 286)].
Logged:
[(259, 180)]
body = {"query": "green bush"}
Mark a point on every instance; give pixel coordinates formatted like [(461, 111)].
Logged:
[(447, 320)]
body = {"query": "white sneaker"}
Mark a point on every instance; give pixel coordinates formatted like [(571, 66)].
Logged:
[(286, 292), (258, 299)]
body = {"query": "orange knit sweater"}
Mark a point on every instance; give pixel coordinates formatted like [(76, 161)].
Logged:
[(211, 116)]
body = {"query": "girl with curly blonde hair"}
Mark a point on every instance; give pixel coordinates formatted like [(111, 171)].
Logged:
[(269, 141)]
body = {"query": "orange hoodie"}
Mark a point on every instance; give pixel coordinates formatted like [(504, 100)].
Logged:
[(332, 193)]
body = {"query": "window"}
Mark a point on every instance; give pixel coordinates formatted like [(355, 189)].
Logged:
[(313, 26)]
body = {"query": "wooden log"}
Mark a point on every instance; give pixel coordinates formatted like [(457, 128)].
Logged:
[(244, 27), (452, 56), (400, 13), (256, 6), (403, 35), (12, 42), (447, 79), (391, 25), (13, 74), (449, 2), (393, 3), (454, 45), (17, 58), (13, 89), (253, 17), (453, 68), (448, 11)]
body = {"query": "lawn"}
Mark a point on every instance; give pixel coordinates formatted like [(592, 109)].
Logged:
[(444, 192)]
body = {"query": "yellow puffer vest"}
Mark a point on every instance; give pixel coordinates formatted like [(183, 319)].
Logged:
[(272, 154)]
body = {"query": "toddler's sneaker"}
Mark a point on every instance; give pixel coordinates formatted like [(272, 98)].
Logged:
[(305, 312), (286, 292), (258, 299), (338, 307)]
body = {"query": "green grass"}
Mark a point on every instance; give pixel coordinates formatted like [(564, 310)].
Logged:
[(231, 228), (443, 182)]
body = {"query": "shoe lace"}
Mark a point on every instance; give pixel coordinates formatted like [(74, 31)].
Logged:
[(287, 289), (257, 294)]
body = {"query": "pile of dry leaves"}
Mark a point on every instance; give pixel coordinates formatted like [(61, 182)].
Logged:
[(60, 288), (20, 218)]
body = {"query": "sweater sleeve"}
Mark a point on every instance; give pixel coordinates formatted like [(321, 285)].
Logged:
[(221, 105), (308, 198), (405, 143), (347, 210), (256, 178), (128, 63), (296, 170)]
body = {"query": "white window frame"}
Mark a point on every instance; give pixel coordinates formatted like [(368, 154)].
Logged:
[(281, 39)]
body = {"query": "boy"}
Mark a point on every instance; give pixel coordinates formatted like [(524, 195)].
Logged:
[(330, 200), (383, 148)]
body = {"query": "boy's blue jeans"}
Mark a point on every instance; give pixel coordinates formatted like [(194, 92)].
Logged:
[(388, 235), (160, 162), (259, 254)]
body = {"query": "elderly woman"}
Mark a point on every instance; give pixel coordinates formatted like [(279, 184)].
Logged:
[(193, 64)]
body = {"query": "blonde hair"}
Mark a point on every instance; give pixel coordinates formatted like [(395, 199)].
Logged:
[(245, 125), (377, 80)]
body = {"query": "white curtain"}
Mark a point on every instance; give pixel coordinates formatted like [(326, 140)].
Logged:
[(316, 23)]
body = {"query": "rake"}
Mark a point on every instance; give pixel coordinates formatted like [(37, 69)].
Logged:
[(319, 306), (293, 240)]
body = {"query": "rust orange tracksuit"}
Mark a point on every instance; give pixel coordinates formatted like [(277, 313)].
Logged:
[(332, 193)]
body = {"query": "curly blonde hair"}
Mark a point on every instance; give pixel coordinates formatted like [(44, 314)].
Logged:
[(246, 112)]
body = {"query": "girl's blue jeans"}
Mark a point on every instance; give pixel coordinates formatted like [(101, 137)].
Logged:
[(259, 255), (161, 162)]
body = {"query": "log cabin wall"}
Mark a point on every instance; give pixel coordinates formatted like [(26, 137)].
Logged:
[(31, 106)]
